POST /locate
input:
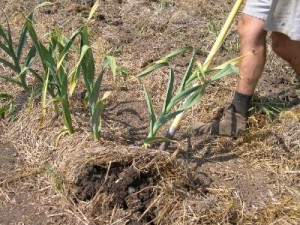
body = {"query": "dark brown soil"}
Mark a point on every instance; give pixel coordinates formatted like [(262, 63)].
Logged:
[(130, 189), (122, 185)]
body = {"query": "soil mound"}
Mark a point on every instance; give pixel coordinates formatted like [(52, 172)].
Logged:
[(130, 181)]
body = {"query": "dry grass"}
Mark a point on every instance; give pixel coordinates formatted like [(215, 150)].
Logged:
[(212, 180), (260, 152)]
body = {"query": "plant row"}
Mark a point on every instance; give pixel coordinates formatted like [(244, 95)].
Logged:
[(59, 76)]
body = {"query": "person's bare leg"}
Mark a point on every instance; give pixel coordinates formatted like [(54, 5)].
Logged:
[(232, 121), (252, 38), (288, 50)]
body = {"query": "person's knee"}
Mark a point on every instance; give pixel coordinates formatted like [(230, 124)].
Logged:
[(280, 44), (250, 30), (242, 27)]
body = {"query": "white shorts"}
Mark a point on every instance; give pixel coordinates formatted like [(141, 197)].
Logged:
[(280, 15)]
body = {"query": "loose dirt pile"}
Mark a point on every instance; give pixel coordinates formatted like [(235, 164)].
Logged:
[(139, 186)]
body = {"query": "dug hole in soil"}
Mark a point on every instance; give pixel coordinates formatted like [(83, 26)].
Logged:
[(140, 186)]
